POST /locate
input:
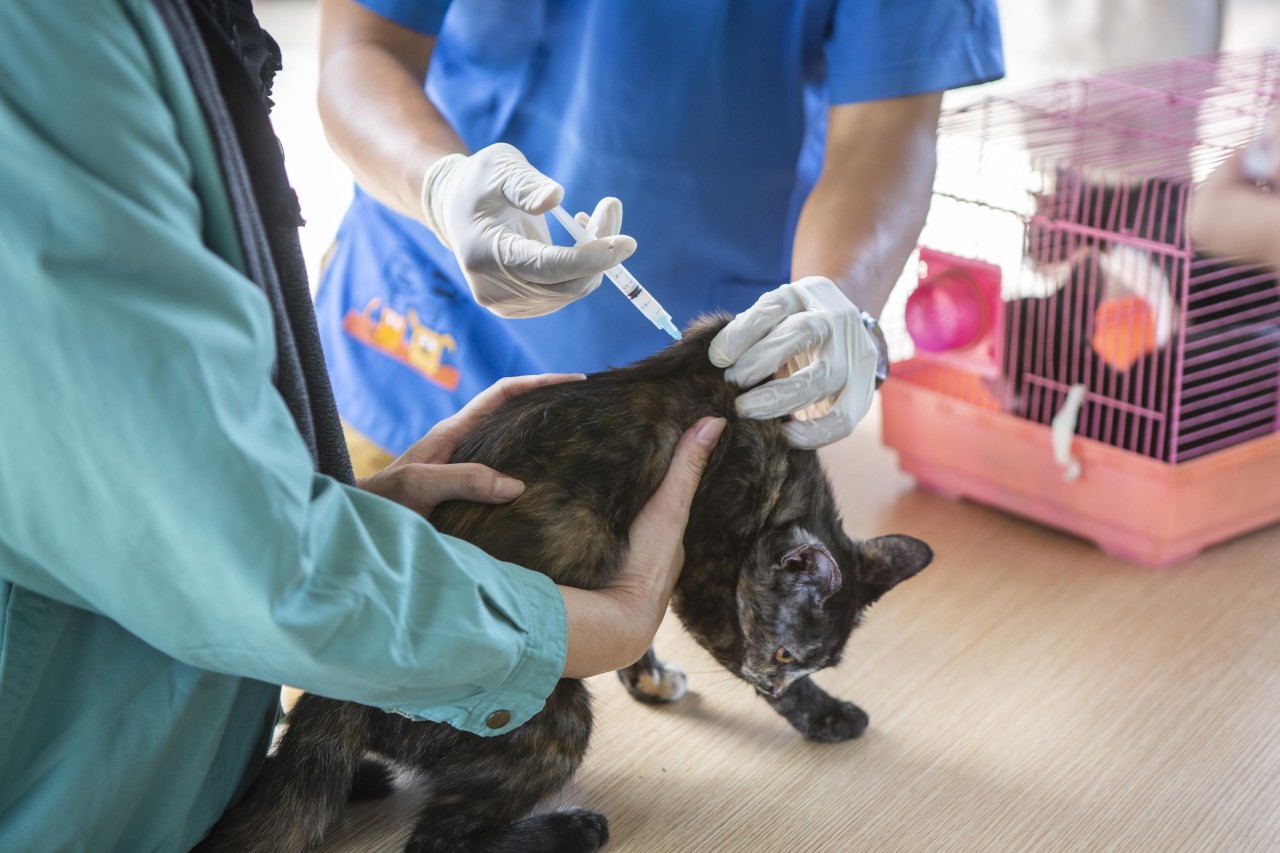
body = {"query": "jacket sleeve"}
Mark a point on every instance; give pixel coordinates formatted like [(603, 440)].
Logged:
[(149, 471)]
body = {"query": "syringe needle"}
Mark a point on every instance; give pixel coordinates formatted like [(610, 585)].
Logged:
[(625, 281)]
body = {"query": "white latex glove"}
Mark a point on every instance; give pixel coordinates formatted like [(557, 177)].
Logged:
[(813, 339), (487, 208)]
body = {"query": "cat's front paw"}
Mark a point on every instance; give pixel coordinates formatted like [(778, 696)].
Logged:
[(654, 682), (843, 721), (818, 715)]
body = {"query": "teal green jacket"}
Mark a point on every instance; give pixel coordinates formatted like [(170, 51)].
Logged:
[(168, 556)]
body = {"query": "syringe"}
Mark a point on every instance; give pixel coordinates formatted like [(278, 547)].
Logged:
[(625, 281)]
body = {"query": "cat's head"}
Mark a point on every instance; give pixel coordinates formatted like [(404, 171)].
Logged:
[(783, 598), (802, 593), (772, 585)]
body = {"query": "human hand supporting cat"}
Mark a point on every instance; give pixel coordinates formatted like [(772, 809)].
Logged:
[(422, 478), (612, 627)]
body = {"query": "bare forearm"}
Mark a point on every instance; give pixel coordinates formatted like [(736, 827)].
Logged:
[(375, 113), (864, 216)]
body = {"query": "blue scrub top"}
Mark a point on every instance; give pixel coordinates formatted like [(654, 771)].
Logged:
[(707, 119)]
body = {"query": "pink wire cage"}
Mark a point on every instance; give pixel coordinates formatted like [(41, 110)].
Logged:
[(1066, 352)]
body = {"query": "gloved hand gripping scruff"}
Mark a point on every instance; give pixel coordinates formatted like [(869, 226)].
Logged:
[(815, 340), (487, 208)]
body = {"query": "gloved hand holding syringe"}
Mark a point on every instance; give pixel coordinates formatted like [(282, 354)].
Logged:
[(626, 282)]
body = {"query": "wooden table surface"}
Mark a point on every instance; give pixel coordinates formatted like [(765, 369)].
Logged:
[(1026, 692)]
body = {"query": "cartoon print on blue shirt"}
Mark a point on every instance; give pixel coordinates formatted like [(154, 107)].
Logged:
[(422, 348), (398, 331)]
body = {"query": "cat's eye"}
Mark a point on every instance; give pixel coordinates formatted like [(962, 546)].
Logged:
[(782, 655)]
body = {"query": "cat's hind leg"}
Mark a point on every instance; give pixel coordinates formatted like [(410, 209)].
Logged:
[(817, 715), (651, 681), (302, 789), (482, 814), (482, 789), (568, 831), (480, 796)]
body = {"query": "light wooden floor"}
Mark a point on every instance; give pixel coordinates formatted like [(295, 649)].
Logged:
[(1027, 692)]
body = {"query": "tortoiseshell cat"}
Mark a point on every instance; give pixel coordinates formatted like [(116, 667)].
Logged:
[(771, 586)]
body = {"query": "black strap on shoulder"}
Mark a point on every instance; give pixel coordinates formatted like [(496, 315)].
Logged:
[(231, 60)]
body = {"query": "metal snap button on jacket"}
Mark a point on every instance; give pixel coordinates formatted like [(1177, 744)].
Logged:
[(498, 719)]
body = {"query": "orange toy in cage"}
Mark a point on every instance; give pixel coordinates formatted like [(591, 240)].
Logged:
[(1075, 358)]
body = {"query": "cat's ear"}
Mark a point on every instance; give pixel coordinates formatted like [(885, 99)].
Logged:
[(889, 560), (811, 566)]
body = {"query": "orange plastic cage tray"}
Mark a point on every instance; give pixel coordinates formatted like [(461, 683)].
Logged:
[(1133, 507)]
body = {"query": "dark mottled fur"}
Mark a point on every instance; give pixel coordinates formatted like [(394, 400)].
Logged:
[(767, 566)]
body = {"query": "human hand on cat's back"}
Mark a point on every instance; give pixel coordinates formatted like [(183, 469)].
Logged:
[(825, 355), (611, 627), (487, 208), (423, 478)]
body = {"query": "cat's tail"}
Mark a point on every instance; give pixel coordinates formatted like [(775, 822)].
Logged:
[(302, 789)]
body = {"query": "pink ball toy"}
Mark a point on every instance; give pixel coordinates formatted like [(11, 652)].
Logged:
[(946, 313)]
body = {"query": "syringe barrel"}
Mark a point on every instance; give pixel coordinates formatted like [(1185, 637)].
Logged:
[(639, 297), (625, 281)]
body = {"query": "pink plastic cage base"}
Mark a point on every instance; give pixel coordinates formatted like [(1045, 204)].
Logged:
[(1143, 511), (1076, 192)]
